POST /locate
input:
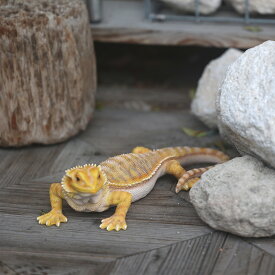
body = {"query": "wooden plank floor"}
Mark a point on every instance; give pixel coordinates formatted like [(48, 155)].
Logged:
[(165, 235)]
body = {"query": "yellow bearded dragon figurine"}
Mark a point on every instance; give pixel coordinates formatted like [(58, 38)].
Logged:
[(123, 179)]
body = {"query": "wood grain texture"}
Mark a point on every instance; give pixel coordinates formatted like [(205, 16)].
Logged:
[(214, 253), (32, 266), (5, 269), (130, 26), (164, 235), (195, 256), (239, 257), (47, 71), (267, 245)]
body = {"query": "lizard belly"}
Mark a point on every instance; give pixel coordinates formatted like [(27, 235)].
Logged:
[(142, 189), (90, 203)]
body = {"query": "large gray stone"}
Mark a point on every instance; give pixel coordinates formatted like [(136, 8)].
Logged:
[(245, 105), (206, 6), (204, 103), (255, 6), (238, 197)]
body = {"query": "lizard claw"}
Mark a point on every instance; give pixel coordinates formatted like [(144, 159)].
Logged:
[(114, 223), (185, 184), (52, 218)]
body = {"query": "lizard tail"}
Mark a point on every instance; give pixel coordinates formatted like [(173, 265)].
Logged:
[(187, 180), (190, 155)]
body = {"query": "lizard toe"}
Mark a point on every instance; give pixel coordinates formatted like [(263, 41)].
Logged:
[(110, 227), (52, 218), (113, 223), (103, 225)]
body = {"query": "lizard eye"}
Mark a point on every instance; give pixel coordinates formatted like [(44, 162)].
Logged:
[(77, 178)]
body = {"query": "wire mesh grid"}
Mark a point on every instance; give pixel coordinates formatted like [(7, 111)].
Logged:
[(156, 10)]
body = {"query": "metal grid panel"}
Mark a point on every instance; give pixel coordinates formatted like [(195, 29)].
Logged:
[(154, 12)]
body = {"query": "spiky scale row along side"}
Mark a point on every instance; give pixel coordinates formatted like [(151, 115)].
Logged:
[(133, 168), (123, 179)]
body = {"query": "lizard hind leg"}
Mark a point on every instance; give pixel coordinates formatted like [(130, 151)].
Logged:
[(140, 150), (174, 168), (189, 178)]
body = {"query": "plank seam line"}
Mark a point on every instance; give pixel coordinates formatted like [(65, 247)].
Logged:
[(259, 265), (259, 248), (172, 244), (219, 254), (42, 253), (4, 264)]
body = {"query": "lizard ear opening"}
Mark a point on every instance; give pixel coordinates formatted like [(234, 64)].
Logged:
[(67, 184)]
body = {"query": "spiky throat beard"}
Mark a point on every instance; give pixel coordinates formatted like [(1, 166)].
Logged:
[(65, 182)]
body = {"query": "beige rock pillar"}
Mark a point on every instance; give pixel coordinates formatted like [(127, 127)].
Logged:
[(47, 71)]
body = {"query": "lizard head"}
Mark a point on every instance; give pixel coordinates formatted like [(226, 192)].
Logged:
[(84, 179)]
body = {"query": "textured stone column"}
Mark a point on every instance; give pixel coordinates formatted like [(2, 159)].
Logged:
[(47, 71)]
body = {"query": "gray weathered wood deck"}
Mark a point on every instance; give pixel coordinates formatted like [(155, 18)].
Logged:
[(164, 235)]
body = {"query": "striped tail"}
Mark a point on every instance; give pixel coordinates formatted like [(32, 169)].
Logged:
[(188, 179), (189, 155)]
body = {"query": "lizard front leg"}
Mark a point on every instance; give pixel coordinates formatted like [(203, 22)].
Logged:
[(117, 221), (55, 216)]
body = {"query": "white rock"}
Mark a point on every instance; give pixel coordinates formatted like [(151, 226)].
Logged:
[(245, 104), (255, 6), (204, 103), (206, 6), (238, 197)]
